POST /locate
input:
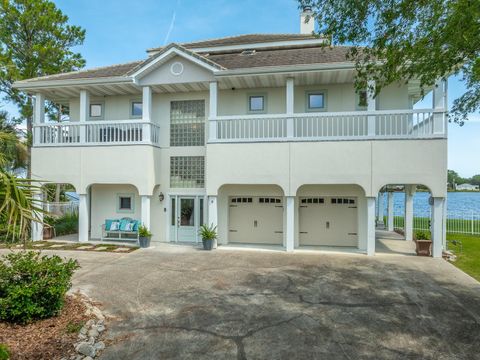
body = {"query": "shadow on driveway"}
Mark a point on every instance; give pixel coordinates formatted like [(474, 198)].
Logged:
[(180, 303)]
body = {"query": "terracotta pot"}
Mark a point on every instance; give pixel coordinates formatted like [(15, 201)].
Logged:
[(47, 232), (424, 247)]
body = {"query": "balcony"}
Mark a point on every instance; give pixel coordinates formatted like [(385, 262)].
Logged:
[(333, 126), (96, 133)]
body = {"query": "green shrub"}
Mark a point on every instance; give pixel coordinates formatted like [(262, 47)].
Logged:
[(144, 232), (65, 225), (421, 235), (32, 286), (4, 352)]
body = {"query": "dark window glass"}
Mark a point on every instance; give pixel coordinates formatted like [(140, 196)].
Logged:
[(137, 108), (125, 203)]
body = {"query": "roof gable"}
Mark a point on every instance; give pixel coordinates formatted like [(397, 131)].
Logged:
[(167, 54)]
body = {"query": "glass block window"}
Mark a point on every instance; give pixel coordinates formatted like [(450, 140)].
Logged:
[(96, 110), (187, 123), (187, 172), (256, 103)]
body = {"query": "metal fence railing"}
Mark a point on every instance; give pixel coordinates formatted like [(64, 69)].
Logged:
[(458, 223), (61, 208)]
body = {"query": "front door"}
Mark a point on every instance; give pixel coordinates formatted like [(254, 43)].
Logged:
[(186, 219)]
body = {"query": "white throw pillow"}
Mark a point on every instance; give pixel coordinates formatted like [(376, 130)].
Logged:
[(114, 226), (129, 226)]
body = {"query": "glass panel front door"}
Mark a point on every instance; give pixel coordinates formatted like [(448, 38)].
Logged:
[(186, 224)]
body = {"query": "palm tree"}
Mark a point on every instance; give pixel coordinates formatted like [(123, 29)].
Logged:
[(18, 205)]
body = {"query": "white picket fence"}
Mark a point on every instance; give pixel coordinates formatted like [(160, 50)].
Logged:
[(458, 223), (61, 208)]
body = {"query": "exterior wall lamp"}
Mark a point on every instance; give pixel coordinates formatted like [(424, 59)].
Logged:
[(161, 197)]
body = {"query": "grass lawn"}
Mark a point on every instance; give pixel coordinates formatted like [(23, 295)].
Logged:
[(469, 259)]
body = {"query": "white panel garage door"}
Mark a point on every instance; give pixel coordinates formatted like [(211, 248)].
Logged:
[(256, 220), (330, 221)]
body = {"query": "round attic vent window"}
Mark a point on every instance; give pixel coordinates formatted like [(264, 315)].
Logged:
[(176, 68)]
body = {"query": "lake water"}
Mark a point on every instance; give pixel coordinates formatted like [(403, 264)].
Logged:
[(459, 204)]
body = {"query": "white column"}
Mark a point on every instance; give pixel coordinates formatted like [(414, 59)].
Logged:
[(213, 214), (146, 112), (290, 103), (145, 211), (439, 105), (212, 133), (84, 113), (409, 194), (437, 226), (370, 226), (83, 218), (371, 106), (290, 223), (381, 208), (37, 227), (38, 116), (390, 211)]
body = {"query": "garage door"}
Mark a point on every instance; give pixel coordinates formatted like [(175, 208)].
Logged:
[(330, 221), (256, 220)]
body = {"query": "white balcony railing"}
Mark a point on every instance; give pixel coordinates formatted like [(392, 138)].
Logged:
[(96, 133), (356, 125), (391, 124)]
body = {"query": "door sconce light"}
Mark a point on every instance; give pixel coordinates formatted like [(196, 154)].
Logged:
[(161, 197)]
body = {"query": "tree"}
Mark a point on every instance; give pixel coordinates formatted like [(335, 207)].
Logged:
[(13, 150), (35, 40), (401, 40), (452, 178), (475, 180)]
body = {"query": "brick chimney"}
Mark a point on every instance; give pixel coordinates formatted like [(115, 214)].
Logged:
[(307, 21)]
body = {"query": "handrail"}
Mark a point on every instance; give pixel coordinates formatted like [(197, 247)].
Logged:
[(121, 132), (324, 114)]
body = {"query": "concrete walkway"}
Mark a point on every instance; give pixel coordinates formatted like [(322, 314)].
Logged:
[(178, 302), (393, 243)]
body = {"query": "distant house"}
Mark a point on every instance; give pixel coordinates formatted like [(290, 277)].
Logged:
[(468, 187)]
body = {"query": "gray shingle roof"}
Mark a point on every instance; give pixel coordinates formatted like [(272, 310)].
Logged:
[(99, 72), (281, 56), (244, 39)]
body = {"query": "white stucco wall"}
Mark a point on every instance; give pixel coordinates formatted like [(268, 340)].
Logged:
[(369, 164), (339, 97), (104, 205)]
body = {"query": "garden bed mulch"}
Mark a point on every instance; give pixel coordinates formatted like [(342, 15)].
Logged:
[(47, 339), (56, 245)]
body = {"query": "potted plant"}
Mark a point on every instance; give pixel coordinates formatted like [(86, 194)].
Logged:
[(423, 243), (48, 227), (208, 234), (144, 236)]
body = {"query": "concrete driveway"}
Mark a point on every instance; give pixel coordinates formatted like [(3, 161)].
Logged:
[(176, 302)]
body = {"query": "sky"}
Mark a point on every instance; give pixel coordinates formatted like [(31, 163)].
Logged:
[(120, 31)]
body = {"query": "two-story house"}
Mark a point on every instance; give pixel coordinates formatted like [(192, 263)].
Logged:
[(262, 135)]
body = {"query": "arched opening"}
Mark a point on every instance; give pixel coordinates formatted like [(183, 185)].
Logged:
[(60, 220), (406, 213), (111, 203)]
